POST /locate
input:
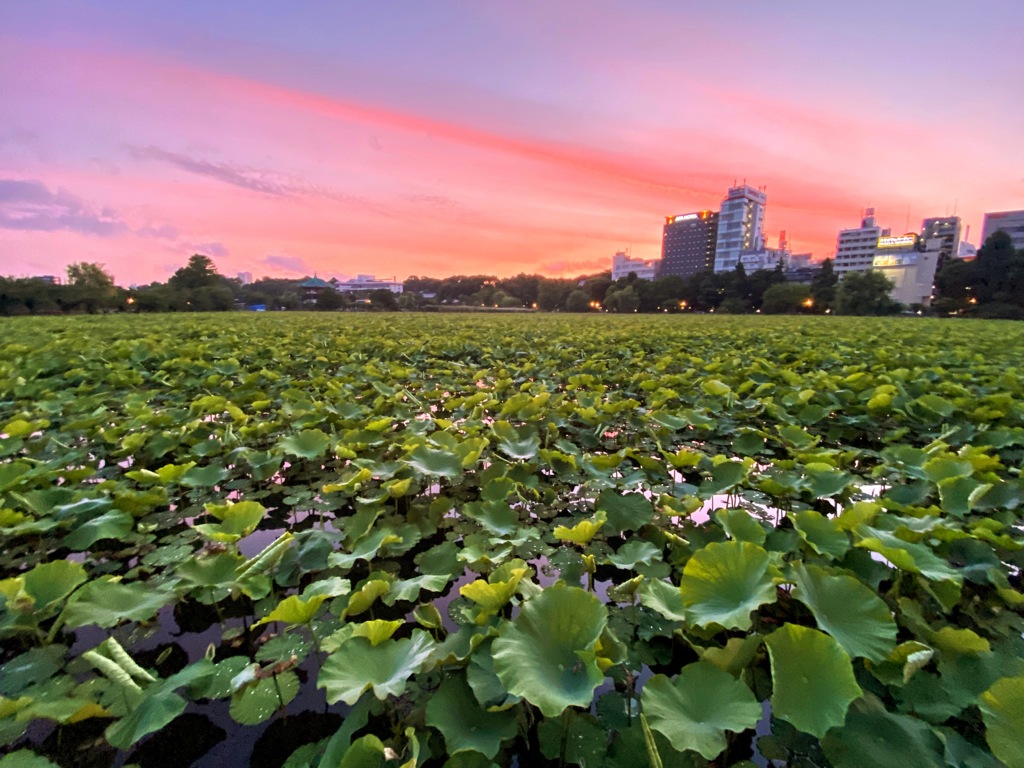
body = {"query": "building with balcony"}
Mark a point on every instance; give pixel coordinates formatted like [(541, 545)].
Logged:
[(740, 226)]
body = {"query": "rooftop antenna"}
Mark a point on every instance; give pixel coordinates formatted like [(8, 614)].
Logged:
[(955, 203), (908, 219)]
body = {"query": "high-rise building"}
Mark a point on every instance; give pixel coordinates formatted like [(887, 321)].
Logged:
[(740, 226), (942, 235), (1010, 222), (855, 248), (688, 244)]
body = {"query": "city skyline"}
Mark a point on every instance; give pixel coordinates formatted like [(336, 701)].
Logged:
[(457, 138)]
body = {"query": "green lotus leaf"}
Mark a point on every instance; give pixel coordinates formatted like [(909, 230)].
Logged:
[(24, 758), (954, 640), (258, 701), (877, 738), (408, 590), (486, 685), (848, 610), (696, 709), (106, 603), (157, 706), (724, 476), (521, 443), (359, 665), (740, 525), (633, 552), (724, 582), (204, 477), (492, 596), (49, 583), (812, 679), (497, 517), (945, 467), (960, 495), (822, 534), (1002, 709), (734, 657), (907, 556), (663, 598), (363, 598), (435, 462), (307, 444), (377, 630), (294, 610), (715, 388), (454, 711), (114, 524), (578, 737), (365, 752), (583, 532), (748, 444), (364, 549), (236, 520), (546, 655), (30, 668), (624, 511)]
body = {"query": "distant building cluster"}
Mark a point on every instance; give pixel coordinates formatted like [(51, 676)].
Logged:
[(734, 236)]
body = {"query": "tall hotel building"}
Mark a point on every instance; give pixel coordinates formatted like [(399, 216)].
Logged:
[(688, 244), (855, 248), (1010, 222), (740, 226)]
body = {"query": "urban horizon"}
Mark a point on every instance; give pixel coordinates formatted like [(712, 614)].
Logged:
[(456, 140)]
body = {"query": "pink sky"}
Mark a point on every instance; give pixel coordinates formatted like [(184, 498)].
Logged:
[(484, 138)]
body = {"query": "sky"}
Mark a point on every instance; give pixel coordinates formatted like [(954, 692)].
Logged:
[(452, 137)]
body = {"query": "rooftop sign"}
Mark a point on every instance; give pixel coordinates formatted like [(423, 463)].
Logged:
[(898, 241)]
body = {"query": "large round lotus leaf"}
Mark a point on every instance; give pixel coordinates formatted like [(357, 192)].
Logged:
[(696, 709), (725, 581), (49, 583), (880, 740), (546, 655), (465, 725), (358, 665), (812, 679), (1002, 709), (849, 611), (106, 603), (435, 462), (260, 700), (307, 444)]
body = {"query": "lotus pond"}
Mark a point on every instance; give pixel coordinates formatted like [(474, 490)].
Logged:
[(402, 540)]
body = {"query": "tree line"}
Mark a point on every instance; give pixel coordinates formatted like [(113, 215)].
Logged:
[(991, 285)]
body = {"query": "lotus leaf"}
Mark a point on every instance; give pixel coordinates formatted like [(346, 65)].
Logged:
[(359, 665), (465, 725), (812, 678), (695, 710), (724, 582), (546, 655)]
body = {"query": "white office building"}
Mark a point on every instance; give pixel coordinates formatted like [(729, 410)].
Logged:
[(909, 261), (740, 226), (622, 265), (1010, 222), (367, 283), (855, 248)]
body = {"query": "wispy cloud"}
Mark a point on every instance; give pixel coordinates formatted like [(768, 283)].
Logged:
[(287, 263), (30, 205), (585, 266), (257, 180)]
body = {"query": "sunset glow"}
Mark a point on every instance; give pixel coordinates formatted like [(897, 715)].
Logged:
[(410, 138)]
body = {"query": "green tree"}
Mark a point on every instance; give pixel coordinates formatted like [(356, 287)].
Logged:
[(823, 286), (786, 298), (865, 293), (578, 301), (198, 273), (330, 301), (382, 298), (551, 294), (90, 288)]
